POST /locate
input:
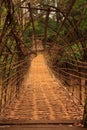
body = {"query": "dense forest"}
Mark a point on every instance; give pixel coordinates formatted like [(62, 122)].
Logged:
[(61, 25)]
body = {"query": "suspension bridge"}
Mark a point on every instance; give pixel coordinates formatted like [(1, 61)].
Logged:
[(43, 97), (43, 62)]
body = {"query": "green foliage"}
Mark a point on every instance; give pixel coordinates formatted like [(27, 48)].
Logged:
[(39, 28), (27, 40), (1, 28), (26, 36), (80, 12), (77, 52), (83, 25), (79, 3)]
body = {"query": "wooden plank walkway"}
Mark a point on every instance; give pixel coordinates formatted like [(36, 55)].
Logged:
[(42, 97)]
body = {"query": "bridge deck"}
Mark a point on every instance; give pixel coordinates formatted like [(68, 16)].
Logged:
[(42, 97)]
